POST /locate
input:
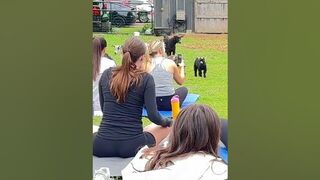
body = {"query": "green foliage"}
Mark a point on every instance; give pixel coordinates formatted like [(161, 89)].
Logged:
[(145, 27)]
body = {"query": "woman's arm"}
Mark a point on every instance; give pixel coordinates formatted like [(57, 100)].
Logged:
[(178, 73), (151, 105), (113, 63), (104, 77), (101, 94)]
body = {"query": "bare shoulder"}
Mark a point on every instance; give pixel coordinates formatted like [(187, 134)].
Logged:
[(169, 61), (170, 65)]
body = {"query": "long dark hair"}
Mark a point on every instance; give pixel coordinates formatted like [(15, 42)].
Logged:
[(127, 74), (196, 129), (98, 44)]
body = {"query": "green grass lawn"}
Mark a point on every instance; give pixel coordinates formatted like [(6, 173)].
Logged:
[(213, 90)]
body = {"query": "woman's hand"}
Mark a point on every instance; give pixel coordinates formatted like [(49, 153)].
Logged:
[(179, 74), (167, 122), (182, 64)]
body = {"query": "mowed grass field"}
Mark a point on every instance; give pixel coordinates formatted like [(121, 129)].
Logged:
[(213, 90)]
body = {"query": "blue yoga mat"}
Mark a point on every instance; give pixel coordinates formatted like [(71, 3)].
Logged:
[(223, 153), (190, 99)]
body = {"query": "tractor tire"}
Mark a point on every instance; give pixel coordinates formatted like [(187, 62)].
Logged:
[(118, 21), (143, 17)]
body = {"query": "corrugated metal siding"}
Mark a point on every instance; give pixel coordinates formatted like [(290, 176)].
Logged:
[(190, 14), (163, 10), (211, 16), (165, 15), (202, 16)]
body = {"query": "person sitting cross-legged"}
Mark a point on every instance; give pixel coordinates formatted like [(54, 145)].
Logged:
[(99, 64), (164, 72), (123, 92)]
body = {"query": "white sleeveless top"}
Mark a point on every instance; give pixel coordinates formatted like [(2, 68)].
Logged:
[(162, 78)]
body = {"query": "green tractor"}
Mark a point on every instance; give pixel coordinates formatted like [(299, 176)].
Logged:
[(143, 17), (100, 20)]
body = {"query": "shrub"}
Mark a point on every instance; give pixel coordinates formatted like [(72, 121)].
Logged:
[(145, 27)]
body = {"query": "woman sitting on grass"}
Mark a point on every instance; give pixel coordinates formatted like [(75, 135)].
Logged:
[(123, 92), (164, 71), (191, 152), (99, 64)]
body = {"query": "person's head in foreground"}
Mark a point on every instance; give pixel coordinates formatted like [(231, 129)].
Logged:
[(131, 70), (196, 129), (99, 45), (191, 152)]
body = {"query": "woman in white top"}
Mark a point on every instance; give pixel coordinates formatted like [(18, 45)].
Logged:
[(99, 64), (164, 71), (191, 152)]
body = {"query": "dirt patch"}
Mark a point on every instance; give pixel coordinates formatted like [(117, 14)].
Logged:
[(218, 42), (208, 36), (217, 47)]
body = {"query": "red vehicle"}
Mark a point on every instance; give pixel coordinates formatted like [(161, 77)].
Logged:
[(96, 11), (100, 20)]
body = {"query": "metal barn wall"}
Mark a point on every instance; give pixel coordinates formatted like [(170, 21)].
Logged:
[(202, 16), (190, 14), (189, 11), (211, 16), (163, 12)]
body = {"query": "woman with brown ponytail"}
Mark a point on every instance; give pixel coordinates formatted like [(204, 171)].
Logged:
[(123, 92)]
